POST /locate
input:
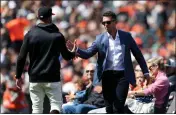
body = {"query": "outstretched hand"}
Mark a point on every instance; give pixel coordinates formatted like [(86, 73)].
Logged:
[(71, 46)]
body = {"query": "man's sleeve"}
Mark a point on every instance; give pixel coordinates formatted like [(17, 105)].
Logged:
[(89, 52), (22, 56), (138, 56)]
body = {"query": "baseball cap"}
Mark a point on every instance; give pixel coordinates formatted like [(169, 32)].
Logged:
[(44, 12), (170, 63)]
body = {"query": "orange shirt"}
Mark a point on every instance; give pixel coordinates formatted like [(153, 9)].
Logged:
[(137, 88), (10, 103), (13, 98), (16, 28)]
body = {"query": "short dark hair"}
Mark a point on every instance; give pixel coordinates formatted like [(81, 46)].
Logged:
[(110, 14)]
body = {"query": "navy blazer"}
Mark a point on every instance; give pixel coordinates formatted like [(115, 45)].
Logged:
[(128, 45)]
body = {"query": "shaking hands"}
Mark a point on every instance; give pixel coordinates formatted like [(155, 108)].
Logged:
[(71, 46)]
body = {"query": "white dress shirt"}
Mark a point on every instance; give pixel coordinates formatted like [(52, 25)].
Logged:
[(115, 57)]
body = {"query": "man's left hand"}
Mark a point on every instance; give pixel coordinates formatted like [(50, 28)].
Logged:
[(19, 83), (147, 77)]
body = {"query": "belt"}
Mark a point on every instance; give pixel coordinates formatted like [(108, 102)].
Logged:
[(114, 71)]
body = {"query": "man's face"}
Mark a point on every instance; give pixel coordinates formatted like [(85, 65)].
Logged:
[(108, 23), (90, 72)]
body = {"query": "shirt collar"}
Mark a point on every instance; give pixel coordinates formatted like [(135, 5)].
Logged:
[(117, 34)]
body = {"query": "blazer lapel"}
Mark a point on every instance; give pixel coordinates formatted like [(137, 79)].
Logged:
[(106, 41), (120, 37), (122, 42), (105, 48)]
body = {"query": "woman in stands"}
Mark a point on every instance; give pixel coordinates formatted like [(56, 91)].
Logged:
[(159, 88)]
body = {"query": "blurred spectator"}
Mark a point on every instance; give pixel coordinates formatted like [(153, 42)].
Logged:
[(32, 18), (5, 61), (25, 9), (16, 28), (67, 74), (90, 99), (13, 99), (94, 99), (58, 10), (78, 96), (89, 73), (87, 78), (144, 103), (4, 77), (171, 72), (69, 87), (5, 38), (159, 88), (140, 80), (78, 66)]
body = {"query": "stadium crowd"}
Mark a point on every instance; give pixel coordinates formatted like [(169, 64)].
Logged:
[(151, 23)]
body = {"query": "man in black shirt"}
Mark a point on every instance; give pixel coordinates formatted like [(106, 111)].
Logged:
[(44, 43)]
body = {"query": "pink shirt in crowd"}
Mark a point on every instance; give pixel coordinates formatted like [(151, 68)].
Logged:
[(159, 88)]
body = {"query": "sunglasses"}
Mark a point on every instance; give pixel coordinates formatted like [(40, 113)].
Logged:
[(139, 77), (151, 67), (107, 22), (91, 71), (138, 70)]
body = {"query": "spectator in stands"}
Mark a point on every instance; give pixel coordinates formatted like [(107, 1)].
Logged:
[(171, 72), (89, 73), (159, 88), (140, 85), (5, 59), (16, 29), (140, 80), (93, 100), (87, 79), (76, 98), (14, 101), (145, 102)]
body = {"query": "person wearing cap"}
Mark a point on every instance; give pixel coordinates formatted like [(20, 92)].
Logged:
[(44, 43), (114, 65)]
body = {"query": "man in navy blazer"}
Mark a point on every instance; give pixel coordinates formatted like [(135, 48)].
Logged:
[(114, 66)]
